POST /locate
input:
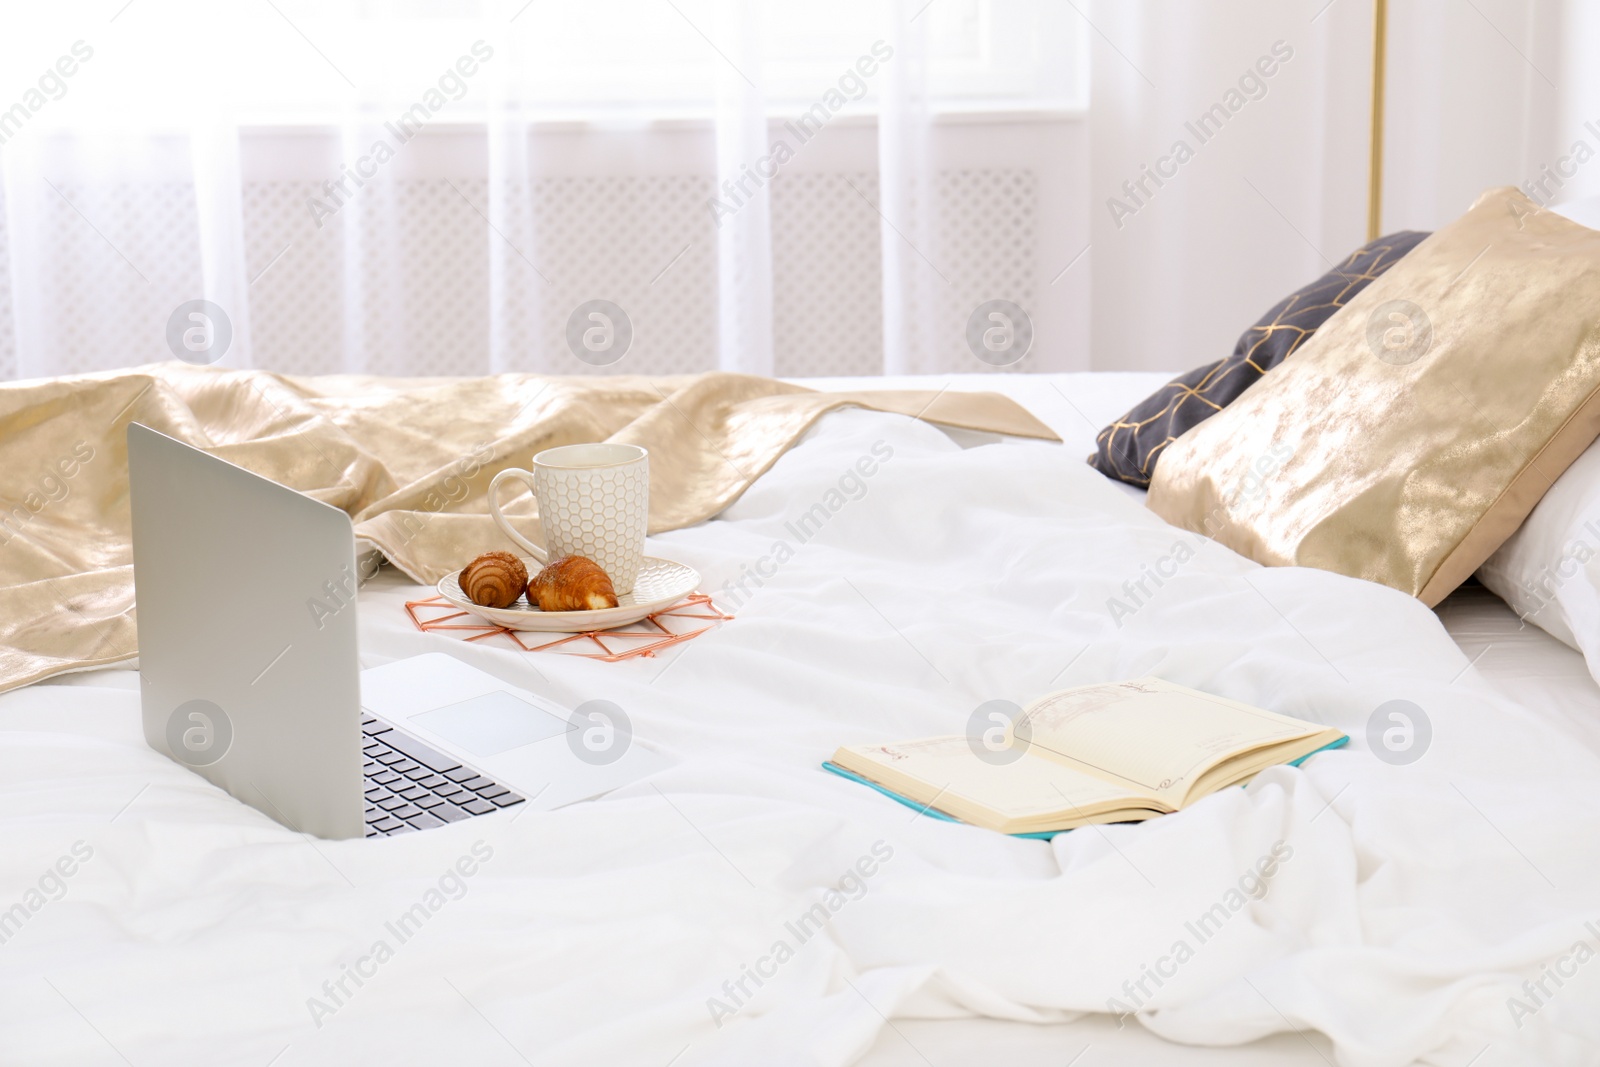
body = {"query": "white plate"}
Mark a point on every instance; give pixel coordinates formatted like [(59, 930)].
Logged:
[(661, 583)]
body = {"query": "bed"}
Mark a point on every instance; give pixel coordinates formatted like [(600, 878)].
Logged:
[(634, 929)]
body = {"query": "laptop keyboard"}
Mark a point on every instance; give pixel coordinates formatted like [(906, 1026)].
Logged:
[(412, 786)]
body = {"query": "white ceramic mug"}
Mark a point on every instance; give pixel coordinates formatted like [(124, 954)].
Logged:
[(594, 501)]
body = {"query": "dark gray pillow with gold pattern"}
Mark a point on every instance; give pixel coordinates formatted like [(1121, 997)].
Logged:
[(1127, 450)]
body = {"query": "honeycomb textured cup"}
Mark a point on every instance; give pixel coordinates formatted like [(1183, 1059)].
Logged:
[(598, 511)]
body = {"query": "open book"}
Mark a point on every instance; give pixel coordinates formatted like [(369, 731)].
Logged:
[(1117, 752)]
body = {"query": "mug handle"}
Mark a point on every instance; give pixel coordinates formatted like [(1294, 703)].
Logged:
[(504, 523)]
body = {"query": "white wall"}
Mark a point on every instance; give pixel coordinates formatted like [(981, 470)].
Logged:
[(1577, 114)]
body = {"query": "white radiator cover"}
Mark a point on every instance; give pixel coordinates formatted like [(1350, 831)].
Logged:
[(403, 287)]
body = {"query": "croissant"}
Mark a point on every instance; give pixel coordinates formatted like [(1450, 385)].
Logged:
[(494, 580), (572, 583)]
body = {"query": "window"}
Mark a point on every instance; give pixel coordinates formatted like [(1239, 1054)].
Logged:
[(312, 60)]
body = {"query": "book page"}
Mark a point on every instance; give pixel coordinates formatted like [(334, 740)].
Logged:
[(930, 770), (1152, 734)]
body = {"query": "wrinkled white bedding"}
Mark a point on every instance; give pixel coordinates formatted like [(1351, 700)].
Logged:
[(1416, 901)]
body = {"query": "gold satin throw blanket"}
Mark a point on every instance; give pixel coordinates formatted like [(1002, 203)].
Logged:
[(410, 460)]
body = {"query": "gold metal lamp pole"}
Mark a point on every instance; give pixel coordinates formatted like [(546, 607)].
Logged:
[(1380, 20)]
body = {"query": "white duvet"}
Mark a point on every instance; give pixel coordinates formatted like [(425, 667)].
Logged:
[(747, 907)]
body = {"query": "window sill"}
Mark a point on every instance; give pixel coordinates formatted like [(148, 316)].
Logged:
[(688, 120)]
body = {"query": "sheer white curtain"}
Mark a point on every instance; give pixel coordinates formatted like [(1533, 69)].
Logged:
[(666, 186), (909, 235), (621, 186), (744, 236)]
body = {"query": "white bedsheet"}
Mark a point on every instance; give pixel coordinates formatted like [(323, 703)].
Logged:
[(1417, 899)]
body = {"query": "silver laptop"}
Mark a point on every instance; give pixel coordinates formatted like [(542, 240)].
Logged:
[(248, 671)]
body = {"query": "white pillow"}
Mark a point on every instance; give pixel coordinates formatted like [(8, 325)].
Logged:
[(1549, 570), (1585, 212)]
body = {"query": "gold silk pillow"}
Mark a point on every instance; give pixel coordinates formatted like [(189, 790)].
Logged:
[(1416, 429)]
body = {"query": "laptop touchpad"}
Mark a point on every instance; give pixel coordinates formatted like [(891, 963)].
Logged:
[(491, 724)]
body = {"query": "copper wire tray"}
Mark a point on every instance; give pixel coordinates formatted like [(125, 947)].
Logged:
[(670, 626)]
